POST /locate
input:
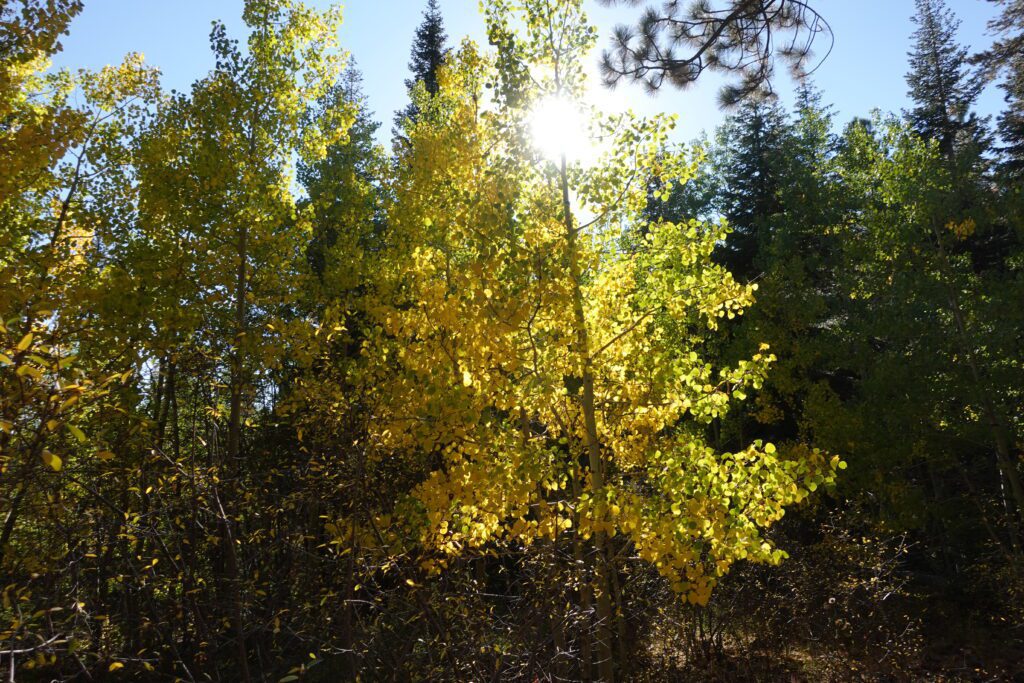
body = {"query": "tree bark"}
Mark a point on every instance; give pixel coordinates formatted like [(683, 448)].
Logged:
[(237, 384), (606, 661)]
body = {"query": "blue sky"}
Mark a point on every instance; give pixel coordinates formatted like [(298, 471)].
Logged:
[(864, 71)]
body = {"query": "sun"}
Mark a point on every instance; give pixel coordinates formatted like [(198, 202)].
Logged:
[(560, 126)]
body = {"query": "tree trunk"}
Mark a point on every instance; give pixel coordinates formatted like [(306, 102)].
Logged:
[(237, 384), (583, 579), (237, 359), (606, 662), (11, 519)]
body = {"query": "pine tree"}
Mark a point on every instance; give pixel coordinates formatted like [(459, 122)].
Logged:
[(941, 83), (751, 149), (1006, 56), (796, 264), (341, 185), (428, 53), (741, 184), (676, 42)]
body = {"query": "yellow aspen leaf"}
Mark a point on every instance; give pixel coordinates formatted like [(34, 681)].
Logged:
[(115, 666), (31, 371), (77, 433), (5, 359), (467, 378), (52, 461), (25, 342)]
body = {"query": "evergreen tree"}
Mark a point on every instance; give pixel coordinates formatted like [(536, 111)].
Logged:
[(1006, 56), (428, 53), (677, 42), (794, 260), (342, 186), (944, 89), (941, 83), (797, 265), (750, 150)]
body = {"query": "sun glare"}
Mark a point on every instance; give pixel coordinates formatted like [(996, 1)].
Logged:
[(559, 126)]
